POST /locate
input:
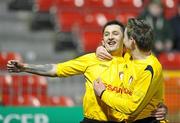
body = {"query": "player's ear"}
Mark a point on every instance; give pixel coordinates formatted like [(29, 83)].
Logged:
[(133, 43), (131, 38)]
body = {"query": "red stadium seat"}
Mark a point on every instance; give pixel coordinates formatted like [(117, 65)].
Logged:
[(90, 39), (5, 89), (169, 13), (170, 8), (95, 19), (16, 89), (6, 56), (39, 85), (34, 85), (43, 100), (129, 4), (123, 17), (32, 101), (169, 3), (129, 7), (43, 5), (99, 4), (29, 85), (66, 101), (61, 101), (23, 83), (26, 100), (67, 19), (170, 60), (17, 100), (6, 82), (68, 4), (6, 99), (17, 84)]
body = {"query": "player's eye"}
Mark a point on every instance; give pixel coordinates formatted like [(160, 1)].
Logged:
[(106, 33), (116, 33)]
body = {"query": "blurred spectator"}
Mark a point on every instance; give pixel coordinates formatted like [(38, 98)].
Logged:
[(175, 22), (162, 31)]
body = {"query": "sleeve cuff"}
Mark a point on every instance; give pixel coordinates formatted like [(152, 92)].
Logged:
[(101, 94)]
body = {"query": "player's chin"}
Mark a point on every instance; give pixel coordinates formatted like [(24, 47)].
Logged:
[(112, 49)]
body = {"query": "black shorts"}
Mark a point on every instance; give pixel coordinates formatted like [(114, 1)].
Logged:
[(145, 120), (86, 120)]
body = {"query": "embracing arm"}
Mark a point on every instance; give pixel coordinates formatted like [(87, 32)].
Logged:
[(103, 54), (44, 70), (133, 102)]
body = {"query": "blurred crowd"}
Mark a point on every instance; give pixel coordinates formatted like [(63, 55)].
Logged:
[(166, 31)]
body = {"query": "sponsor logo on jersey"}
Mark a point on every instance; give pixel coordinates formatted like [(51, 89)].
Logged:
[(116, 89)]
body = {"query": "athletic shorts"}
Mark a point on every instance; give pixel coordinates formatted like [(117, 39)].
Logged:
[(145, 120)]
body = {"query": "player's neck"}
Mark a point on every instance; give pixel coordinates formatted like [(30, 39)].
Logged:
[(140, 55), (118, 52)]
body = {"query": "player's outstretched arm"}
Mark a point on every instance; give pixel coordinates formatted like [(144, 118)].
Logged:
[(44, 70)]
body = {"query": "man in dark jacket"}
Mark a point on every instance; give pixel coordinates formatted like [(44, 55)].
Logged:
[(153, 14)]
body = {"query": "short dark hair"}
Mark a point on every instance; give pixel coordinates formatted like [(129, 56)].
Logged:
[(114, 22), (141, 32)]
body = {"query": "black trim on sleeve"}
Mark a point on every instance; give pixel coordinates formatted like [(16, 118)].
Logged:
[(149, 67)]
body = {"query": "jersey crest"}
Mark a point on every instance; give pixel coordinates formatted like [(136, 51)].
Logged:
[(121, 75), (131, 79)]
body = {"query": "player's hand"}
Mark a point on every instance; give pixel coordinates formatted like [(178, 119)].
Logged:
[(99, 87), (102, 53), (161, 112), (15, 66)]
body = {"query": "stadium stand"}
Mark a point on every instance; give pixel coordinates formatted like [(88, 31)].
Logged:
[(170, 8), (20, 4), (28, 90), (69, 4), (90, 39), (14, 86), (96, 19), (61, 101), (129, 4), (42, 19), (67, 19), (43, 5)]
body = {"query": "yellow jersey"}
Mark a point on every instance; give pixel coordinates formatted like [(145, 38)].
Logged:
[(93, 68), (141, 91)]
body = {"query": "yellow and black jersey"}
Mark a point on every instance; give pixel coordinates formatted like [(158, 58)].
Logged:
[(141, 91), (92, 68)]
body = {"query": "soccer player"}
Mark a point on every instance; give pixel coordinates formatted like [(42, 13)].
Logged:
[(94, 109), (140, 89)]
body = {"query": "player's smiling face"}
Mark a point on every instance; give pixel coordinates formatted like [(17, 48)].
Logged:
[(112, 37)]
